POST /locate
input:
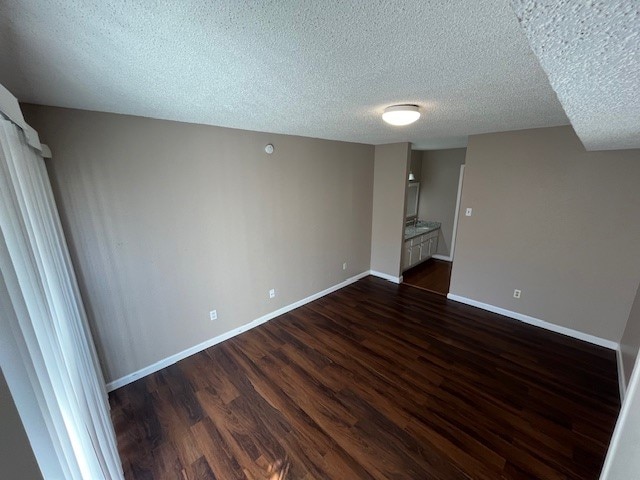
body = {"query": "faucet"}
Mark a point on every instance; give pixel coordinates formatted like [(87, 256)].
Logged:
[(413, 221)]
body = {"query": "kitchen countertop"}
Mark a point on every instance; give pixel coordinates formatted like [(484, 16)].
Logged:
[(420, 229)]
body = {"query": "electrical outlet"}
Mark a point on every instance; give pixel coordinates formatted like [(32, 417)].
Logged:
[(213, 314), (517, 293), (468, 212), (272, 293), (344, 266)]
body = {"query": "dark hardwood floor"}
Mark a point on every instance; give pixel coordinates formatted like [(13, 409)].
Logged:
[(432, 275), (375, 381)]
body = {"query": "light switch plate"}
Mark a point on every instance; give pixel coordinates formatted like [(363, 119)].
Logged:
[(468, 212)]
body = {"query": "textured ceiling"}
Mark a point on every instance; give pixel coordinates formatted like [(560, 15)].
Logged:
[(315, 68), (591, 53)]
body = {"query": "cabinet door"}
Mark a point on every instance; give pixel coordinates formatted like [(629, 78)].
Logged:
[(415, 254), (407, 256), (433, 246), (424, 250)]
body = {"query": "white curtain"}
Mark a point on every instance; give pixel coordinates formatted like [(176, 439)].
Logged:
[(37, 271)]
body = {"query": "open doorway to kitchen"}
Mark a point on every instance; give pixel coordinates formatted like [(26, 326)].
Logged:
[(433, 203)]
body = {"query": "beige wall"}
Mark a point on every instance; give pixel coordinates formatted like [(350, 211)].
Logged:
[(439, 191), (167, 221), (389, 195), (630, 342), (555, 221), (17, 460)]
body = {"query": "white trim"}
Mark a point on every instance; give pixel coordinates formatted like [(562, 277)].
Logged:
[(10, 108), (165, 362), (622, 382), (456, 215), (537, 322), (386, 276), (634, 384), (437, 256)]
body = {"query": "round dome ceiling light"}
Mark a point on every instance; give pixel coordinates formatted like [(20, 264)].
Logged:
[(400, 115)]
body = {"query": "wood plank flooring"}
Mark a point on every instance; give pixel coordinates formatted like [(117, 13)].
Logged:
[(375, 381), (433, 275)]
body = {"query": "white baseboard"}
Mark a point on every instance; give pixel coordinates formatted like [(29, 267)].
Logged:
[(622, 383), (437, 256), (165, 362), (386, 276), (537, 322)]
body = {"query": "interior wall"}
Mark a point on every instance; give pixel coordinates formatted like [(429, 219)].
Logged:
[(389, 203), (440, 175), (16, 456), (415, 166), (557, 222), (167, 221), (630, 342)]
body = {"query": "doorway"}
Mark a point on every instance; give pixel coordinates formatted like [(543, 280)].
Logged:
[(433, 275), (431, 219)]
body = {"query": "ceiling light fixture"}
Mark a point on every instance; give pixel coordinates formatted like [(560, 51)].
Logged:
[(400, 115)]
